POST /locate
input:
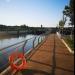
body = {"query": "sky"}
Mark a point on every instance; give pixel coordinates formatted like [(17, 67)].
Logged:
[(33, 13)]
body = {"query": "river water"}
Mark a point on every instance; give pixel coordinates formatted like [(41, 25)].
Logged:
[(13, 40)]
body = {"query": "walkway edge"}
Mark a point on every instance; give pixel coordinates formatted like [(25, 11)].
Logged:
[(69, 49), (8, 68)]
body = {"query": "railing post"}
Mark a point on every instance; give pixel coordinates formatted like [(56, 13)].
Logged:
[(44, 37), (38, 40), (41, 39), (34, 41), (24, 46)]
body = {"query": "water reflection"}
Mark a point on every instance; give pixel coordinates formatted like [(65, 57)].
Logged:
[(13, 40)]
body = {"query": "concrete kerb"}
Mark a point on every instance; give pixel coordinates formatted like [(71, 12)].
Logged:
[(8, 68), (69, 49)]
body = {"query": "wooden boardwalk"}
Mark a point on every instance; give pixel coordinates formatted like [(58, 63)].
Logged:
[(50, 58)]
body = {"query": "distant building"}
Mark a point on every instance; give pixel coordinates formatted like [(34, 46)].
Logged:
[(41, 26)]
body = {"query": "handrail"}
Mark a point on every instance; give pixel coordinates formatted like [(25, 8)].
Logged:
[(23, 49)]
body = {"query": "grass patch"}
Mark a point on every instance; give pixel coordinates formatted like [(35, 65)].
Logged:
[(70, 42)]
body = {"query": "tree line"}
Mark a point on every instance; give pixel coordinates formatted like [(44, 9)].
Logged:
[(68, 12), (29, 30), (12, 28)]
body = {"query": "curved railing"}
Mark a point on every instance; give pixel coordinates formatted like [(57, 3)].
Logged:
[(25, 46)]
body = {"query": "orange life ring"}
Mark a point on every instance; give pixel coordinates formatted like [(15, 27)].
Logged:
[(23, 65)]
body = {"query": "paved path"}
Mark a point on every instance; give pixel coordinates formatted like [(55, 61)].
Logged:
[(51, 58)]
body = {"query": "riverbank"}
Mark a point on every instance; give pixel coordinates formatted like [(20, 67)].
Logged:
[(4, 35)]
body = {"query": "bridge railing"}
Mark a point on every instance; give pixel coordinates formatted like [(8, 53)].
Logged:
[(25, 46)]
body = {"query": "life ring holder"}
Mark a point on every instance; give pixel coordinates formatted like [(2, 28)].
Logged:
[(23, 65)]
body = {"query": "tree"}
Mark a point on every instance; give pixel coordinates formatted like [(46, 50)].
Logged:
[(61, 26), (69, 12)]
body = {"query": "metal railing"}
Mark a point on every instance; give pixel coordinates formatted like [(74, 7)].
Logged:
[(25, 46)]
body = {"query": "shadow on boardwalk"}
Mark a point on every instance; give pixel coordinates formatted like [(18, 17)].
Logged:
[(53, 59), (33, 72), (40, 72)]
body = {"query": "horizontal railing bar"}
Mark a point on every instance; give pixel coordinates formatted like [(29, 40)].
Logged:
[(15, 44), (14, 48)]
